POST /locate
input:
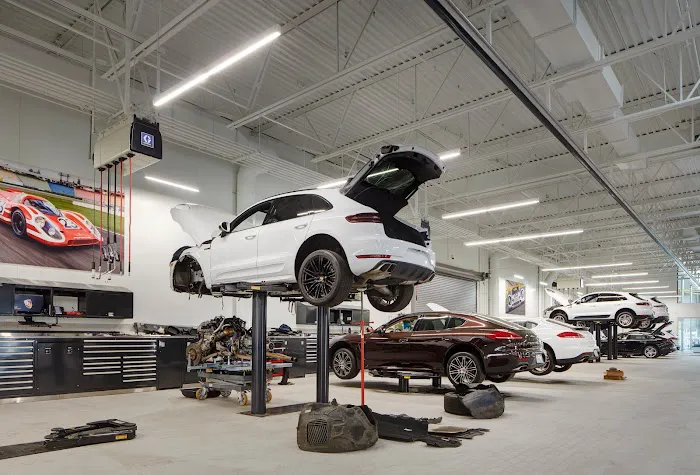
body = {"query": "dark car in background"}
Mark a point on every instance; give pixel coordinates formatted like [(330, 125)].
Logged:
[(641, 344), (465, 348)]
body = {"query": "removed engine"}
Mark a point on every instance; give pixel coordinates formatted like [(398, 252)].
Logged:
[(225, 338)]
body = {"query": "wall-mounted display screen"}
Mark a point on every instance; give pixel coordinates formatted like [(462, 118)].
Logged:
[(29, 304)]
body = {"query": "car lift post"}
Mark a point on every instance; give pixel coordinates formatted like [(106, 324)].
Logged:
[(610, 342), (614, 338), (258, 405), (322, 363)]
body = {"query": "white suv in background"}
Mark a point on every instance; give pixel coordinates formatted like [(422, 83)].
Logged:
[(320, 244), (627, 309)]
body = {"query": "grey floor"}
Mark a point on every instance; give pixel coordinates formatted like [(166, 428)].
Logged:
[(568, 423)]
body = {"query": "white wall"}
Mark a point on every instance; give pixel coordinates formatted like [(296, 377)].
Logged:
[(39, 133)]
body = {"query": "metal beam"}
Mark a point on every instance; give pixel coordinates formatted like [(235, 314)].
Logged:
[(499, 97), (44, 45), (174, 26), (370, 62), (100, 21), (461, 25)]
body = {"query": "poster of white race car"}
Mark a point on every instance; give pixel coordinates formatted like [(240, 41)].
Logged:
[(515, 297)]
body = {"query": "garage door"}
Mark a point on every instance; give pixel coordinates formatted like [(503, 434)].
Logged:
[(451, 292)]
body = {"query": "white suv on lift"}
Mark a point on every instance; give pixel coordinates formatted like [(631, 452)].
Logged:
[(320, 244), (627, 309)]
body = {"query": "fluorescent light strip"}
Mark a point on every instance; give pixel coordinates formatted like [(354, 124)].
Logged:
[(524, 237), (594, 266), (661, 292), (450, 154), (647, 288), (383, 172), (623, 283), (518, 276), (332, 184), (489, 209), (667, 296), (173, 92), (629, 274), (543, 283), (170, 183)]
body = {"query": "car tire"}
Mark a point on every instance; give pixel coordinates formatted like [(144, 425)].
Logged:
[(316, 270), (645, 324), (559, 317), (651, 351), (19, 223), (549, 363), (464, 368), (561, 368), (402, 295), (624, 319), (500, 378), (344, 363)]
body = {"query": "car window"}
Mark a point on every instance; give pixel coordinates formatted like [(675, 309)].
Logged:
[(588, 298), (402, 325), (455, 322), (432, 323), (391, 177), (609, 298), (251, 218), (44, 206)]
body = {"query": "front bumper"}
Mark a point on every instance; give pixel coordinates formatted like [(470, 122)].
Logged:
[(389, 272)]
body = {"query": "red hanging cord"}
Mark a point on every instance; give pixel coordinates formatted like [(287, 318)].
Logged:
[(100, 230), (121, 214)]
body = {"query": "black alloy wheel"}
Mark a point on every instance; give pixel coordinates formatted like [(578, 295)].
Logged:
[(399, 298), (324, 278), (651, 351), (464, 368), (19, 223), (345, 364)]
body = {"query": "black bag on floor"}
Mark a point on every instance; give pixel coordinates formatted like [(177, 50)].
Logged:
[(334, 428), (483, 401)]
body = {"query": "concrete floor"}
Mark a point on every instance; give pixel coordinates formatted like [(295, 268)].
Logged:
[(573, 423)]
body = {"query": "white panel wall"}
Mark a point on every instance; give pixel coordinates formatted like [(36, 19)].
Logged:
[(41, 134)]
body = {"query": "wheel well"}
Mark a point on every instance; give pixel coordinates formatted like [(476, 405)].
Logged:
[(625, 310), (552, 349), (468, 347), (342, 344), (314, 243), (557, 311)]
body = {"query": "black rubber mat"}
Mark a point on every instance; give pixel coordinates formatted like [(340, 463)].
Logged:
[(20, 450)]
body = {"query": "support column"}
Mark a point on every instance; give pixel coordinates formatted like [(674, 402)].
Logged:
[(614, 338), (258, 405), (322, 363), (610, 341)]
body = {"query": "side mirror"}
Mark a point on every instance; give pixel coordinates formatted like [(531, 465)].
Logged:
[(225, 227)]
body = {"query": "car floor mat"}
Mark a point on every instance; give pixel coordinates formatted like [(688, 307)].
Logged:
[(457, 432)]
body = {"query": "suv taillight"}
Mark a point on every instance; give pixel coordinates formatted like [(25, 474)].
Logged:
[(364, 218), (503, 335), (570, 335)]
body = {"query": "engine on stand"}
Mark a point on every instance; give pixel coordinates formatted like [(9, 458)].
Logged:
[(225, 338)]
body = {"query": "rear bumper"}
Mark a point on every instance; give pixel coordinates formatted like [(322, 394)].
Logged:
[(582, 358), (501, 363), (660, 319), (390, 272)]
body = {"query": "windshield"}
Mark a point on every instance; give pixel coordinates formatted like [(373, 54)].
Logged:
[(45, 207)]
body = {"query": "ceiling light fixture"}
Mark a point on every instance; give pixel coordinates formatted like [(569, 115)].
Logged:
[(667, 296), (489, 209), (594, 266), (543, 283), (170, 183), (524, 237), (647, 288), (624, 283), (518, 276), (450, 154), (629, 274), (660, 292), (219, 66), (333, 184)]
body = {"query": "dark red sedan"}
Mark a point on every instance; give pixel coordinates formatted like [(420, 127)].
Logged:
[(465, 348)]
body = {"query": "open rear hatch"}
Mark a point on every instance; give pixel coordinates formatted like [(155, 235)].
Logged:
[(389, 179)]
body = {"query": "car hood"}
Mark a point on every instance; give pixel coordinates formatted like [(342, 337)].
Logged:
[(199, 221), (560, 298)]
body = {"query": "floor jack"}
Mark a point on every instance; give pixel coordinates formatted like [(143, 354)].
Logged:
[(99, 432)]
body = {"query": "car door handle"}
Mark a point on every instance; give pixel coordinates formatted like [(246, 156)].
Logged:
[(403, 340), (300, 226), (252, 236)]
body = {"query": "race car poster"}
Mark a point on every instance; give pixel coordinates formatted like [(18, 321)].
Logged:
[(515, 298), (51, 219)]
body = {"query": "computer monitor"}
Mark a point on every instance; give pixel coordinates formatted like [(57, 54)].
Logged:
[(29, 304)]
